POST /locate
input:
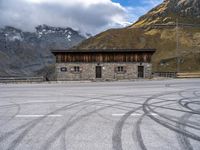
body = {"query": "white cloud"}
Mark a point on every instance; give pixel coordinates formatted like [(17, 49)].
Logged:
[(90, 16), (86, 2)]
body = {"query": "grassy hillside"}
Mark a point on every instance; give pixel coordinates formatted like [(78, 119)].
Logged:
[(146, 33)]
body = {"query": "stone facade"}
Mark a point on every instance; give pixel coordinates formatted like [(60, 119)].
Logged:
[(109, 71)]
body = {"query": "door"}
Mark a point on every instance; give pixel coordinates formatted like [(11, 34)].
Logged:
[(98, 71), (140, 71)]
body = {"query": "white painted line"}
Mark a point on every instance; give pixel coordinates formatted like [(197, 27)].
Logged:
[(153, 114), (124, 114), (94, 100), (36, 116), (117, 114), (135, 114)]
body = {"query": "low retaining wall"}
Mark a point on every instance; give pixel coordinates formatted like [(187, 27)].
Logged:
[(21, 79)]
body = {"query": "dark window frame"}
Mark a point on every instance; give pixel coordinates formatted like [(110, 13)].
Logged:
[(63, 69), (77, 69), (120, 69)]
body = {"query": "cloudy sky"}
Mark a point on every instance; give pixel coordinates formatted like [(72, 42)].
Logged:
[(92, 16)]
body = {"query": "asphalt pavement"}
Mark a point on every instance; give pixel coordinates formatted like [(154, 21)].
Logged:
[(126, 115)]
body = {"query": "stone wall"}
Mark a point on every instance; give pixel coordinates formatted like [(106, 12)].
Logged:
[(88, 71)]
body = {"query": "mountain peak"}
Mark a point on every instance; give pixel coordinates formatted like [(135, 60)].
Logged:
[(57, 29), (24, 53), (187, 11), (184, 7)]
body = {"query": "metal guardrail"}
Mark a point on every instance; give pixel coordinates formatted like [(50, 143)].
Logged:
[(20, 79), (165, 74), (177, 75), (188, 75)]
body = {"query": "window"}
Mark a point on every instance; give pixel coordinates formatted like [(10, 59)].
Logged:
[(76, 69), (120, 69), (63, 69)]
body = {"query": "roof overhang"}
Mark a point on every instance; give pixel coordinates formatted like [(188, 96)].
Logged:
[(103, 50)]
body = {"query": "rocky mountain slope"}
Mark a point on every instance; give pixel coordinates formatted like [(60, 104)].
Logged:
[(157, 29), (26, 53)]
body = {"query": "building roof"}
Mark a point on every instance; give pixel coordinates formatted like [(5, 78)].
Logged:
[(102, 50)]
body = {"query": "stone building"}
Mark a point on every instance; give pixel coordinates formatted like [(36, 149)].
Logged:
[(105, 64)]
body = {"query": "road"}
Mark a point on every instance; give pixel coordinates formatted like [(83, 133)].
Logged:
[(140, 115)]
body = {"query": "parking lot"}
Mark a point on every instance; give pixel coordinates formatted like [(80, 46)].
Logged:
[(128, 115)]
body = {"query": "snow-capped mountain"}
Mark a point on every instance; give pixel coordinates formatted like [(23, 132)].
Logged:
[(62, 37), (24, 53)]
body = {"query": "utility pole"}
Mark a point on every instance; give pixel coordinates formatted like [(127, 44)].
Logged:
[(177, 47), (5, 41), (177, 38)]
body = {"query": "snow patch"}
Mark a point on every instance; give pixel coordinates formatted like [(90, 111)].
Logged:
[(69, 37), (15, 37)]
